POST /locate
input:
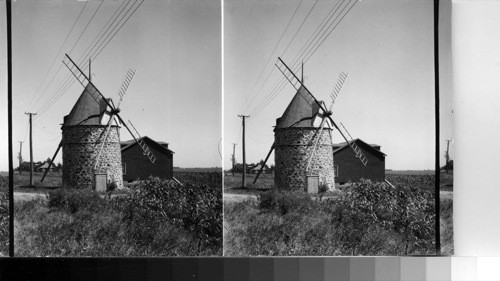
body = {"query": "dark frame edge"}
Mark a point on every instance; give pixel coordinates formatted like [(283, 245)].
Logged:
[(9, 125), (437, 175)]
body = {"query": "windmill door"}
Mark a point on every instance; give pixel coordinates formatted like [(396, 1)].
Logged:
[(312, 183), (100, 181)]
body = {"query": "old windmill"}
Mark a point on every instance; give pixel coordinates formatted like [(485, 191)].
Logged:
[(302, 138), (91, 138)]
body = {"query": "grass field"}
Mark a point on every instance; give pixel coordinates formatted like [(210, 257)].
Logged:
[(21, 182), (251, 229), (4, 216), (151, 218), (232, 184)]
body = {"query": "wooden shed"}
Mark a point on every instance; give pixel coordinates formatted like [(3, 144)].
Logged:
[(44, 167), (349, 169), (257, 168), (136, 166)]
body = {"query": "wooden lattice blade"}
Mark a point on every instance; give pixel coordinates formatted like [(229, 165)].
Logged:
[(264, 164)]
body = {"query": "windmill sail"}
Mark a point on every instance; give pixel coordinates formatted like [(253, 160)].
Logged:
[(264, 164), (296, 83), (338, 86), (357, 151), (76, 71), (333, 95), (143, 145), (52, 160), (103, 143), (128, 79)]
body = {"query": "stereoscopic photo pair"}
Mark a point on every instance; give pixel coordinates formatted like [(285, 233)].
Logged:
[(235, 128)]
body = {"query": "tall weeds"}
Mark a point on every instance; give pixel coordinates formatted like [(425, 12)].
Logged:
[(364, 219), (156, 218)]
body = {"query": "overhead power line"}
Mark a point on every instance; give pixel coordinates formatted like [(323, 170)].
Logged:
[(308, 42), (305, 55), (277, 89), (272, 53), (65, 85), (289, 43), (67, 81), (55, 58), (86, 26), (74, 44)]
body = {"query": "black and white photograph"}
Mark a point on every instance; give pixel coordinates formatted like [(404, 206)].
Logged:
[(116, 115), (235, 128), (330, 129)]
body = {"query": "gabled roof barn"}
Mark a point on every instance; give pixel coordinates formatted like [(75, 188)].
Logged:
[(160, 145), (341, 146)]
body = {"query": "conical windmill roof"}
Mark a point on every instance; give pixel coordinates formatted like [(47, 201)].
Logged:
[(300, 112), (87, 110)]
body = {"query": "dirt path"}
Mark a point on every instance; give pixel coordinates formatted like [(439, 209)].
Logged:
[(446, 194), (234, 198), (25, 196)]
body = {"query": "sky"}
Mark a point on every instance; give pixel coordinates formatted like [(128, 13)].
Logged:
[(175, 96), (387, 49)]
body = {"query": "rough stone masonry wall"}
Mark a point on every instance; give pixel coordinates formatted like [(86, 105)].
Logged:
[(292, 152), (80, 150)]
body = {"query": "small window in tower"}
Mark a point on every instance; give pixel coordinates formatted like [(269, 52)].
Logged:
[(124, 168), (336, 170)]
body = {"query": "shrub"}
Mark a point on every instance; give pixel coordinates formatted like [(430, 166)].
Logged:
[(285, 201), (323, 188), (197, 209), (4, 223), (4, 184), (72, 200), (446, 226), (111, 186), (408, 211), (268, 200)]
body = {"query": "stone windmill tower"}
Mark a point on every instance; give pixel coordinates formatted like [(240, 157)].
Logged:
[(303, 140), (91, 136), (83, 134)]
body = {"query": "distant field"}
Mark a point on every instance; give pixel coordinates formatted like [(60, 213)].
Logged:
[(213, 169), (409, 172), (232, 184), (422, 179), (52, 181)]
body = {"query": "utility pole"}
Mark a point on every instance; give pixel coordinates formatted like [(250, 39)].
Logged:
[(233, 159), (447, 155), (243, 144), (20, 156), (31, 146)]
